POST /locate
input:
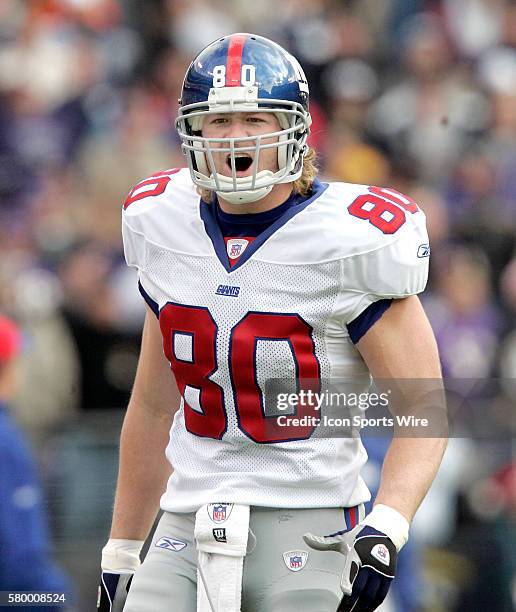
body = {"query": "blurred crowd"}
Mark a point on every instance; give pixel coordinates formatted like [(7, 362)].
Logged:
[(418, 95)]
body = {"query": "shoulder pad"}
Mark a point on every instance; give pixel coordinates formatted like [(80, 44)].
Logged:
[(156, 204), (370, 218), (156, 188), (386, 250)]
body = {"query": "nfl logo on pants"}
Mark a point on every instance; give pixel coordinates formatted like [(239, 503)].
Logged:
[(295, 560)]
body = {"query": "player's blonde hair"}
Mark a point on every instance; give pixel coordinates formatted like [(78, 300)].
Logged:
[(302, 186)]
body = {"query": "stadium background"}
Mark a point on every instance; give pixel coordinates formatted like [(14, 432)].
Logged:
[(413, 94)]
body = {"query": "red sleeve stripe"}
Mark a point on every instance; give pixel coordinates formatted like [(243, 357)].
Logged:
[(351, 517), (234, 63)]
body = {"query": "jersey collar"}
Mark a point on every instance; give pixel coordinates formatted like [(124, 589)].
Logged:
[(212, 228)]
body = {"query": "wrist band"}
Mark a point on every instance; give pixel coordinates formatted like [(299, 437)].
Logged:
[(389, 521), (121, 555)]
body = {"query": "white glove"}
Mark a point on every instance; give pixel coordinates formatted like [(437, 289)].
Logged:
[(120, 559)]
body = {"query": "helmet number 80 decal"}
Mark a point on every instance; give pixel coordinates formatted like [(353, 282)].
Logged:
[(247, 75)]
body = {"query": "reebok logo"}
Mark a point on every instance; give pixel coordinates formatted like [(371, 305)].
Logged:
[(171, 544)]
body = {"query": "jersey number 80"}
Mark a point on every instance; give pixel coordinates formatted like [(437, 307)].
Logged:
[(384, 208), (198, 323)]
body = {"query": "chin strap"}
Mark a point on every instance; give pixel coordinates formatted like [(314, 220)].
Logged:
[(245, 196)]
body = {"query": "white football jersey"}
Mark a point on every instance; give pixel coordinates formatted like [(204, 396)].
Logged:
[(280, 313)]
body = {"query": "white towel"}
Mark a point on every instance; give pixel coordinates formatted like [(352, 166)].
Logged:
[(221, 532)]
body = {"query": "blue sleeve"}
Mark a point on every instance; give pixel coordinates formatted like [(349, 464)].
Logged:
[(366, 319), (25, 562), (152, 304)]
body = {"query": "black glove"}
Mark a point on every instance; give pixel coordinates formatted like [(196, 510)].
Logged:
[(369, 568), (113, 591)]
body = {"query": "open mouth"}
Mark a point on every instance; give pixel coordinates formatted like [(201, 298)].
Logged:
[(243, 162)]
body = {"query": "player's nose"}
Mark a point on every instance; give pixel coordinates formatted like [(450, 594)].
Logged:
[(237, 128)]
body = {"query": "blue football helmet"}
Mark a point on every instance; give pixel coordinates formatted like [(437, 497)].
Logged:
[(244, 73)]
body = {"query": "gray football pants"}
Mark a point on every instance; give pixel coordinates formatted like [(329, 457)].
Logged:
[(167, 579)]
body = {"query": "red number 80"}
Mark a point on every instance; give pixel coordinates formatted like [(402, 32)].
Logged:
[(380, 201)]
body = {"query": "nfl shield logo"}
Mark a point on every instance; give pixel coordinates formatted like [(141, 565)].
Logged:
[(236, 246), (219, 512), (381, 552), (295, 560)]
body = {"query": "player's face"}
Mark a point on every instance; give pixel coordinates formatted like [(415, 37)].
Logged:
[(237, 125)]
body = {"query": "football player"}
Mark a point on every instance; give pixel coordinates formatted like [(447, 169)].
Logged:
[(253, 270)]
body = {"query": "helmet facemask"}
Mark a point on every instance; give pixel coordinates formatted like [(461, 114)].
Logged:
[(290, 142)]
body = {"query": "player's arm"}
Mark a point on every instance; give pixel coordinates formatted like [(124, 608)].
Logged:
[(401, 345), (143, 467)]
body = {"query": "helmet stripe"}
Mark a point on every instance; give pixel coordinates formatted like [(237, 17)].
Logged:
[(234, 62)]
